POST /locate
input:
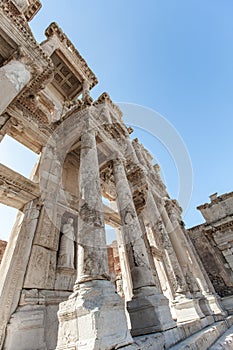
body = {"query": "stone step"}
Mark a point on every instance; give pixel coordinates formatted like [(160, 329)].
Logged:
[(225, 342), (203, 339)]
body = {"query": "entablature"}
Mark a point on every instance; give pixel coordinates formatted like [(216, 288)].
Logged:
[(25, 128), (71, 70), (15, 189)]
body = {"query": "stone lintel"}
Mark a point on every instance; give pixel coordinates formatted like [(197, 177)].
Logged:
[(15, 189), (111, 217)]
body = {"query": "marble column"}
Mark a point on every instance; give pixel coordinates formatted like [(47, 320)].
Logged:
[(138, 152), (187, 306), (160, 238), (86, 97), (149, 311), (130, 152), (14, 76), (208, 301), (92, 252), (94, 316)]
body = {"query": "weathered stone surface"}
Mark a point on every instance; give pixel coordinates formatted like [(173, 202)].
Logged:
[(41, 269), (149, 312), (92, 319), (14, 265), (26, 329), (34, 325), (14, 76), (214, 242), (59, 242)]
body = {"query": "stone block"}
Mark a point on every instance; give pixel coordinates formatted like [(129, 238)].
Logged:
[(149, 312), (93, 318), (25, 330), (41, 269), (188, 310)]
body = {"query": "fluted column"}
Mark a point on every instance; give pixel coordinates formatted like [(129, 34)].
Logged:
[(148, 310), (92, 250)]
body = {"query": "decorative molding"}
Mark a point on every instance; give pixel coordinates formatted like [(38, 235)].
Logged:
[(54, 29), (217, 200), (105, 98)]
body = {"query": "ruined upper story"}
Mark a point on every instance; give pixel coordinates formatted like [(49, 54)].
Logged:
[(59, 75), (219, 209), (213, 241)]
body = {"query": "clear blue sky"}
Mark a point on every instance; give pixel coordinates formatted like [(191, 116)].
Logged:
[(175, 57)]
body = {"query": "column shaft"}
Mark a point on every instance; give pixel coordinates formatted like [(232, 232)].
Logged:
[(135, 247), (149, 311), (161, 236), (209, 301), (92, 251)]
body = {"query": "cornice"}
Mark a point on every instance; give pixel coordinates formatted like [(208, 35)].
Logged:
[(216, 201), (219, 228), (54, 30), (105, 98)]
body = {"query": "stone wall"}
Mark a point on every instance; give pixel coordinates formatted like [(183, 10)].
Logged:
[(213, 241)]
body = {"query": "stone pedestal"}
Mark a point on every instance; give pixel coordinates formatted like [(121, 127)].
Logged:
[(214, 303), (148, 312), (187, 310), (93, 319), (227, 303)]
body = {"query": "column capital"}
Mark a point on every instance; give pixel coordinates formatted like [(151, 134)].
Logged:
[(118, 160)]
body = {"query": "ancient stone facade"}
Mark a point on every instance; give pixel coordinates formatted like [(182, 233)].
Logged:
[(56, 290), (213, 241)]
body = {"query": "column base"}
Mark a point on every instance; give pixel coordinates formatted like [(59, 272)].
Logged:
[(187, 310), (227, 303), (149, 312), (214, 302), (93, 318), (205, 307)]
